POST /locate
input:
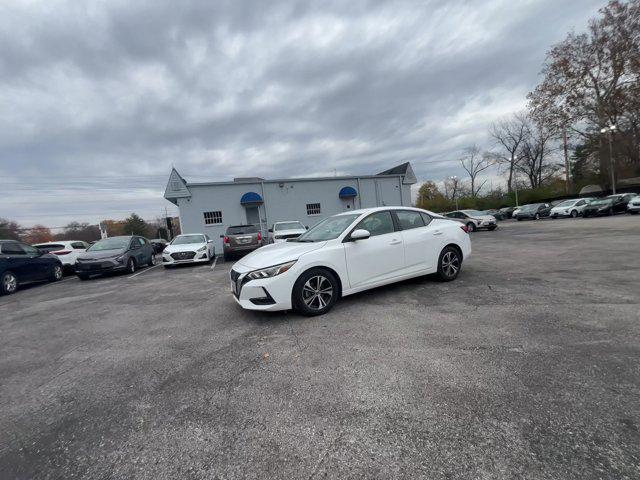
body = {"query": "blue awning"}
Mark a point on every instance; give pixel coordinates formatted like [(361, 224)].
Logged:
[(250, 197), (348, 192)]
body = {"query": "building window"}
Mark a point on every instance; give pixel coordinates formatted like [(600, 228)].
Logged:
[(211, 218), (313, 209)]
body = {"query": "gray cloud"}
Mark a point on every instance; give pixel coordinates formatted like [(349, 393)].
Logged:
[(99, 99)]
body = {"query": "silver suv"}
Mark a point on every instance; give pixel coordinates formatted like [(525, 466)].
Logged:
[(241, 239)]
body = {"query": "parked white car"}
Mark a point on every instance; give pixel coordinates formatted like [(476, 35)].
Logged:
[(189, 248), (634, 205), (348, 253), (282, 231), (66, 250), (570, 208), (473, 219)]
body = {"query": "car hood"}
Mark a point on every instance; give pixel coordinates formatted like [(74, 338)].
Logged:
[(99, 255), (278, 253), (298, 231), (188, 247)]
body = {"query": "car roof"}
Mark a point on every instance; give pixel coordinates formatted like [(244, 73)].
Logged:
[(380, 209)]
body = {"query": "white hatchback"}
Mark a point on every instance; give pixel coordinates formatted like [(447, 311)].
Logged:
[(348, 253), (570, 208)]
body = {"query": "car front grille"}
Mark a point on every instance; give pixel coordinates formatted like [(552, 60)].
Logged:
[(183, 255)]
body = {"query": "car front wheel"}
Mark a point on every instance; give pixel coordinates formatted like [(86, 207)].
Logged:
[(131, 265), (56, 273), (574, 214), (472, 227), (9, 283), (315, 292)]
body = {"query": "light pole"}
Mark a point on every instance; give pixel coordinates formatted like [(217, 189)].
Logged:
[(455, 189), (515, 178), (610, 129)]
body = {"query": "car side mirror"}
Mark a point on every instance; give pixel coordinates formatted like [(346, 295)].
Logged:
[(360, 234), (271, 230), (221, 236), (209, 241)]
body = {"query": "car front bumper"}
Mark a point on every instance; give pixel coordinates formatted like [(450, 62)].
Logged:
[(98, 267), (633, 208), (199, 257), (266, 294)]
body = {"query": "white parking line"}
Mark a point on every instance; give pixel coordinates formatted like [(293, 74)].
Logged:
[(215, 260), (145, 270)]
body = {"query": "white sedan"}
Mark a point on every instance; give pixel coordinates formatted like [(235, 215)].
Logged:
[(66, 250), (283, 231), (570, 208), (348, 253), (188, 248)]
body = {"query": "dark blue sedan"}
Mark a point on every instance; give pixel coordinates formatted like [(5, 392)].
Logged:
[(21, 263)]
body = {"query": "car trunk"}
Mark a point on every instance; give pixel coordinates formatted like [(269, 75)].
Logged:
[(243, 240)]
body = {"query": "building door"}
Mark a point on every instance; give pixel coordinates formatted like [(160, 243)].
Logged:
[(253, 215)]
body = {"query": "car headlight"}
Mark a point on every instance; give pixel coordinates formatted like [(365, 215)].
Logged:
[(119, 258), (271, 271), (202, 249)]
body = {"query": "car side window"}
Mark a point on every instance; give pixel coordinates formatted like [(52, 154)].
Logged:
[(426, 218), (409, 219), (29, 250), (12, 249), (78, 246), (378, 223), (580, 203), (142, 241)]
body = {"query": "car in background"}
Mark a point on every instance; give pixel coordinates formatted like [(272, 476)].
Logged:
[(473, 219), (507, 212), (21, 263), (66, 250), (158, 244), (240, 239), (570, 208), (608, 205), (633, 206), (497, 214), (283, 231), (349, 253), (533, 211), (115, 254), (189, 248)]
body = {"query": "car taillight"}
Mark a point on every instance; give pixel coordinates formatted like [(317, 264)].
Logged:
[(226, 239), (259, 236), (62, 252), (464, 228)]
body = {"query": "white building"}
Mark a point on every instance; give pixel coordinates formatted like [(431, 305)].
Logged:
[(210, 207)]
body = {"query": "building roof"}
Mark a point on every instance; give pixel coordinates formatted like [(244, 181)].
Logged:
[(405, 170)]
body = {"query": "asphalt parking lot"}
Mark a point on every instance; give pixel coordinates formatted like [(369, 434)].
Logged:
[(527, 366)]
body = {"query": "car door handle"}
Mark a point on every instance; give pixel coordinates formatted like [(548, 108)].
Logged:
[(395, 242), (437, 232)]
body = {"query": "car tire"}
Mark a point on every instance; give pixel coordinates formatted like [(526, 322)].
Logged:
[(131, 265), (315, 292), (574, 214), (472, 227), (519, 219), (152, 260), (610, 212), (449, 264), (491, 229), (57, 272), (8, 283), (537, 217)]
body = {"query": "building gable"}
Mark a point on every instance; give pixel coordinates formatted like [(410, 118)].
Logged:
[(176, 187)]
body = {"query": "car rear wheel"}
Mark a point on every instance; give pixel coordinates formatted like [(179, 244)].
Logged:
[(9, 283), (315, 292), (574, 214), (449, 264), (537, 217), (56, 273), (152, 260), (131, 265), (472, 227)]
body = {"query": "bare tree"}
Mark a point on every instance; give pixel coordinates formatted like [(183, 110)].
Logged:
[(474, 162), (537, 153), (509, 134), (452, 188)]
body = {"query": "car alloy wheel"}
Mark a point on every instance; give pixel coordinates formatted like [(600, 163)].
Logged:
[(131, 265), (450, 264), (152, 262), (537, 216), (9, 283), (317, 292), (472, 227), (57, 272), (574, 213)]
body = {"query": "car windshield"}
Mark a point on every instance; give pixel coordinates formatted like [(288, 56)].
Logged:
[(186, 239), (527, 208), (242, 229), (602, 201), (566, 203), (288, 226), (473, 213), (328, 229), (110, 244)]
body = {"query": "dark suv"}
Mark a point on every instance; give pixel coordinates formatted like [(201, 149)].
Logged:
[(115, 254), (534, 211), (21, 263), (241, 239)]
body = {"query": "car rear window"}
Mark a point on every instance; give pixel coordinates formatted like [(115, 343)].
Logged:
[(242, 229), (49, 248)]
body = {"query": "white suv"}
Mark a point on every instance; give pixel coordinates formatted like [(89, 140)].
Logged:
[(66, 250), (282, 231)]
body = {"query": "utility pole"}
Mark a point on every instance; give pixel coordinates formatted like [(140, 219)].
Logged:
[(566, 159), (515, 179), (610, 129)]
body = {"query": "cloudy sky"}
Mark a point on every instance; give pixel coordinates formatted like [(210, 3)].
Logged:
[(99, 99)]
